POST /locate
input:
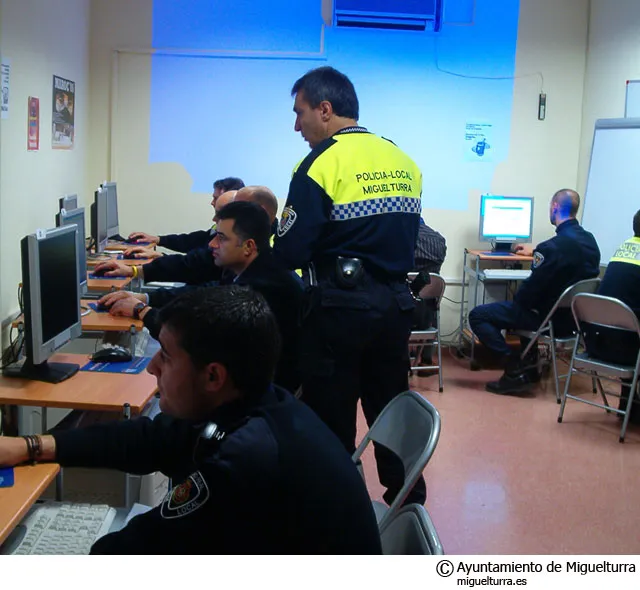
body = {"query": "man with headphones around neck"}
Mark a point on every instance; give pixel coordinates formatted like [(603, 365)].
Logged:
[(257, 472)]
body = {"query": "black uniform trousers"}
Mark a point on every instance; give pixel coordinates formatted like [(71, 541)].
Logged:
[(615, 346), (354, 346)]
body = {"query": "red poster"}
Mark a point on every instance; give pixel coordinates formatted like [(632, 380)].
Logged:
[(33, 129)]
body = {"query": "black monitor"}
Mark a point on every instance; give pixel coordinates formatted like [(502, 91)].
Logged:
[(51, 295), (68, 202), (75, 217), (112, 209), (99, 231)]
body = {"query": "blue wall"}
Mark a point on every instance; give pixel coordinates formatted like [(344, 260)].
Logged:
[(230, 113)]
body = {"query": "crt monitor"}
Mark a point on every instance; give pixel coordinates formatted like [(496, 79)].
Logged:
[(112, 209), (75, 218), (505, 220), (51, 299), (68, 202), (99, 231)]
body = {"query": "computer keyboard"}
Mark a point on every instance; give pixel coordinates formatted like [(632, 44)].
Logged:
[(54, 528), (506, 274), (497, 253)]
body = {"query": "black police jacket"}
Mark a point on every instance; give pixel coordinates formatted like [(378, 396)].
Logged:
[(194, 268), (280, 482), (571, 256), (283, 292), (186, 242)]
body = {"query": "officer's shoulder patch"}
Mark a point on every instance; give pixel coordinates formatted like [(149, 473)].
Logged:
[(538, 259), (287, 219), (185, 498)]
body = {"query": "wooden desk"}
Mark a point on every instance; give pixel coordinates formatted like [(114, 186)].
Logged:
[(106, 285), (99, 322), (105, 322), (92, 262), (30, 482), (103, 392), (481, 254)]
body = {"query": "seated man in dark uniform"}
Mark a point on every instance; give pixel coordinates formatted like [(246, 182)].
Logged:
[(571, 256), (257, 472), (240, 250), (198, 239), (431, 249), (621, 281)]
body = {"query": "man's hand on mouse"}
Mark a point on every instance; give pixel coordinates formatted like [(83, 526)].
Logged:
[(124, 306), (142, 252), (113, 268), (523, 250), (112, 300), (140, 236)]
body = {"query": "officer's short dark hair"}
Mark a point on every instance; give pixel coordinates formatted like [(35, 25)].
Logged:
[(231, 325), (231, 183), (636, 224), (250, 221), (327, 83), (568, 200)]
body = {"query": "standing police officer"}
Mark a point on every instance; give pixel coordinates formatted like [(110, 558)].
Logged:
[(352, 215), (571, 256)]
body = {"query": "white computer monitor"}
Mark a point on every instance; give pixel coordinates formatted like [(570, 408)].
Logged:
[(112, 209), (99, 225), (75, 217), (68, 202), (505, 220), (51, 299)]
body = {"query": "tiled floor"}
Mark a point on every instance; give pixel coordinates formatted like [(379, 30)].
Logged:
[(506, 478)]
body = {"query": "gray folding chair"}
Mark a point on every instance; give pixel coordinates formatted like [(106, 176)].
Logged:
[(421, 338), (606, 312), (545, 333), (410, 532), (408, 426)]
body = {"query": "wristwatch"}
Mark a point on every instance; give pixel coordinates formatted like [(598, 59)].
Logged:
[(137, 308)]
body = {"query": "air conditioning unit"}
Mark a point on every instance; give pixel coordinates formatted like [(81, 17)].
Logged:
[(405, 15)]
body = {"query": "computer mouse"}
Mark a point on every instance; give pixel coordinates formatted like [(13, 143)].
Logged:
[(117, 354), (100, 272), (128, 257), (99, 307), (131, 241)]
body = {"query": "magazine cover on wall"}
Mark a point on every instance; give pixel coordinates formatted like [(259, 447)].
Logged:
[(33, 124), (62, 120)]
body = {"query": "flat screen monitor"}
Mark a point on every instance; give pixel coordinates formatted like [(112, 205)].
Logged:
[(69, 202), (505, 220), (112, 209), (99, 231), (75, 218), (51, 296)]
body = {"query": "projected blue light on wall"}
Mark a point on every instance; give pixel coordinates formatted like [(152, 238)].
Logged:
[(231, 114)]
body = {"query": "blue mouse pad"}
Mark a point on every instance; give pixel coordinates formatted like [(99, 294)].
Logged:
[(137, 243), (6, 477), (132, 367), (92, 276), (94, 306)]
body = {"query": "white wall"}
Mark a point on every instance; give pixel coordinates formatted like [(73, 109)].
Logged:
[(613, 57), (552, 39), (42, 38)]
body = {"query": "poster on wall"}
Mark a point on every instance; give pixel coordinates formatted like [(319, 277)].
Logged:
[(5, 70), (63, 107), (33, 124), (477, 142)]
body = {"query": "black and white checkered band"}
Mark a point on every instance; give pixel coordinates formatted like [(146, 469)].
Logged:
[(377, 206)]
